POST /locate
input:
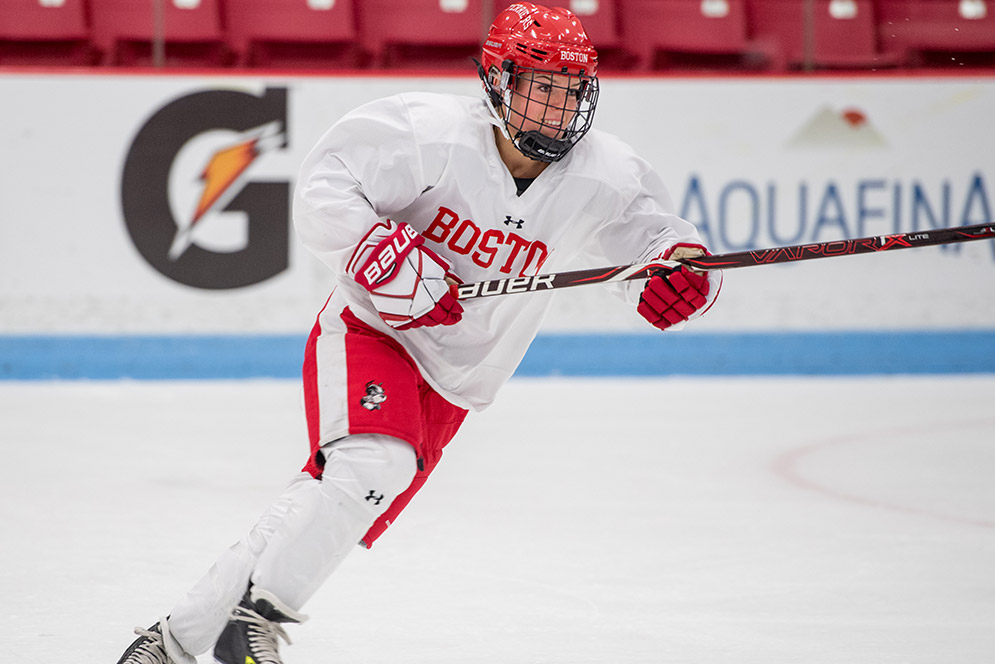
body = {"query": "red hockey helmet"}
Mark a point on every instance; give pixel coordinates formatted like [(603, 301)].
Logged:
[(533, 36), (541, 58)]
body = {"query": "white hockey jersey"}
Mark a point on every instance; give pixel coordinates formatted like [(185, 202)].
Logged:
[(431, 160)]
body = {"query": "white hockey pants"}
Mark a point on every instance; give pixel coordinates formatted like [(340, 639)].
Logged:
[(300, 539)]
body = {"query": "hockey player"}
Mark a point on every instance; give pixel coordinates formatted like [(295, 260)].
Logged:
[(403, 198)]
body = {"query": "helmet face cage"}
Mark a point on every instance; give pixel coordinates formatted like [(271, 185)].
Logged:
[(545, 112)]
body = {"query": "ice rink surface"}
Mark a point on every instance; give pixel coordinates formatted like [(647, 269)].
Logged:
[(649, 521)]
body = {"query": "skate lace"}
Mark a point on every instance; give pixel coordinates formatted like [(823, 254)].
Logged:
[(151, 651), (262, 635)]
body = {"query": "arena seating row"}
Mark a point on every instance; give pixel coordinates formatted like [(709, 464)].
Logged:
[(772, 35)]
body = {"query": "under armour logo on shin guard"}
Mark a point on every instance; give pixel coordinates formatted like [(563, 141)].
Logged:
[(374, 497)]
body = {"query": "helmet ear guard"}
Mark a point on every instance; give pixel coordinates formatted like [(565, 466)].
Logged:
[(493, 96), (498, 94)]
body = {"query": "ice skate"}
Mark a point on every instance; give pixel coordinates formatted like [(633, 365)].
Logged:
[(148, 648), (253, 634)]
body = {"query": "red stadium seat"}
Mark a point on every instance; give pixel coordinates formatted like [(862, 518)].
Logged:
[(843, 33), (45, 32), (422, 33), (913, 29), (660, 32), (294, 33), (126, 31), (600, 20)]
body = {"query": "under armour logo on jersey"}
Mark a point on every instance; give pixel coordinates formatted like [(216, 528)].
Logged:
[(375, 395), (374, 497), (517, 223)]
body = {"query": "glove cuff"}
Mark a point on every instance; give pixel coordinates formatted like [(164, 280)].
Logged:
[(379, 254), (685, 250)]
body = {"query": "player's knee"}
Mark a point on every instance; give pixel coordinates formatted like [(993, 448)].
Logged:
[(373, 468)]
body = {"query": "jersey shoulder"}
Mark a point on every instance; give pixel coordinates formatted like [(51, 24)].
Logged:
[(611, 160), (428, 115), (448, 121), (614, 175)]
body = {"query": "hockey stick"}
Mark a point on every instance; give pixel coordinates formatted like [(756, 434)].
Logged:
[(799, 252)]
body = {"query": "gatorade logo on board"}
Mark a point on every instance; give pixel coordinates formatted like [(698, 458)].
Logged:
[(194, 203)]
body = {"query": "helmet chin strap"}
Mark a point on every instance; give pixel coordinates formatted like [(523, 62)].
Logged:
[(538, 146)]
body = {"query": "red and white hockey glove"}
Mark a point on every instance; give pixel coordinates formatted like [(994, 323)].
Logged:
[(410, 284), (671, 295)]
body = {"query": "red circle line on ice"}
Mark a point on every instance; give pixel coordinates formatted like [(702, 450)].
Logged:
[(787, 466)]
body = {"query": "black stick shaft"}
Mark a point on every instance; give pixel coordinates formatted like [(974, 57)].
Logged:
[(799, 252), (865, 245)]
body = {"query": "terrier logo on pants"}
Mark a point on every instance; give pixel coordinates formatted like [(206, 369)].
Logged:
[(375, 395)]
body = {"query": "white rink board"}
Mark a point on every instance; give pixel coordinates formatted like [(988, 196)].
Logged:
[(755, 163)]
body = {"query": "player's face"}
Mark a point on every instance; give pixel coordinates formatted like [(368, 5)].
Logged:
[(546, 102)]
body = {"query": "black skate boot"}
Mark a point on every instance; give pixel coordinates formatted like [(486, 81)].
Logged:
[(148, 648), (253, 632)]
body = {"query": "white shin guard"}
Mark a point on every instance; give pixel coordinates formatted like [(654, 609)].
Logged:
[(362, 477), (303, 536)]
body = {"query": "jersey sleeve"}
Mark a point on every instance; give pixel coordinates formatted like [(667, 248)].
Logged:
[(366, 166), (645, 229)]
